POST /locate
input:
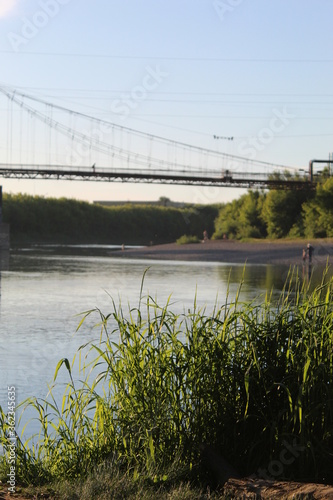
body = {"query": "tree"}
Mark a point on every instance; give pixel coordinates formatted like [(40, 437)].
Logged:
[(318, 213), (241, 218), (282, 210), (164, 201), (227, 221), (251, 221)]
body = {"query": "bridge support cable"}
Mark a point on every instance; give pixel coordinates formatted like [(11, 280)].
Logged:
[(159, 157)]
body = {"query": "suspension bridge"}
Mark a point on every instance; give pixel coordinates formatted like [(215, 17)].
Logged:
[(48, 141)]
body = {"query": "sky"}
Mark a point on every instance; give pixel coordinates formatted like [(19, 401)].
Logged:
[(258, 71)]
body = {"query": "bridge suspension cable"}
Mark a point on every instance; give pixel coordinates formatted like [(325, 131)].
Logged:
[(154, 153)]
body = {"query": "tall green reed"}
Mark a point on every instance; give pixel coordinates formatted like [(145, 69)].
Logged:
[(248, 379)]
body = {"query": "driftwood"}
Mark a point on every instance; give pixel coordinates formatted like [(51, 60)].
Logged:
[(257, 488), (282, 490)]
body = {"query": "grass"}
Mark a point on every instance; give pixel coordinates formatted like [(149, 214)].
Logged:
[(185, 240), (109, 484), (250, 380)]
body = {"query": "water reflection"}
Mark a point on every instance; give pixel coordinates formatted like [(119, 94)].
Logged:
[(262, 278)]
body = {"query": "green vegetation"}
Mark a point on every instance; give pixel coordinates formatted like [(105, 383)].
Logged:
[(241, 218), (34, 219), (279, 214), (274, 214), (185, 239), (254, 381), (106, 483)]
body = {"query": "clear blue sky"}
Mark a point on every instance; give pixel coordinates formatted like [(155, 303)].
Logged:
[(256, 70)]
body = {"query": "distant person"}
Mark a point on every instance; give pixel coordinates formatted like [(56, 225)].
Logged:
[(309, 249), (205, 236), (304, 255)]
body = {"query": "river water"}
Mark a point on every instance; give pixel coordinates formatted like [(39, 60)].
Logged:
[(44, 290)]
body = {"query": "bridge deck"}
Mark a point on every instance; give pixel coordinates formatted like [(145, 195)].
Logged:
[(224, 179)]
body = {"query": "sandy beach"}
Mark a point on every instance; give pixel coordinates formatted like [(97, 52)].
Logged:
[(258, 252)]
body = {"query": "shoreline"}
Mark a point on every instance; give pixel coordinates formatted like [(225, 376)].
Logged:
[(231, 251)]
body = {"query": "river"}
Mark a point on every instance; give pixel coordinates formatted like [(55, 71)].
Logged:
[(44, 290)]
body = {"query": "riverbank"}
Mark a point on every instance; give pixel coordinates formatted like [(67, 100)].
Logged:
[(253, 252)]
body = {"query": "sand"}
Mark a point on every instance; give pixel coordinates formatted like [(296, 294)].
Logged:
[(259, 252)]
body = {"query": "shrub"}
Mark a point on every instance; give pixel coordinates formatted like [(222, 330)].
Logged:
[(185, 239)]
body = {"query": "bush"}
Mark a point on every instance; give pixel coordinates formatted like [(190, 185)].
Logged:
[(184, 240)]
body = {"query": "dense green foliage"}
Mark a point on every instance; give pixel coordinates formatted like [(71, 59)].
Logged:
[(279, 214), (318, 213), (241, 218), (256, 214), (253, 381), (37, 219), (184, 240)]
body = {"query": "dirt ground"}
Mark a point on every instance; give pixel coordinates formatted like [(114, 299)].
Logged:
[(260, 252), (241, 489)]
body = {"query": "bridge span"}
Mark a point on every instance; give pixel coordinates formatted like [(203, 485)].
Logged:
[(79, 147), (225, 178)]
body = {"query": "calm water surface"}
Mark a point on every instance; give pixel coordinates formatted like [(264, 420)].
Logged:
[(43, 290)]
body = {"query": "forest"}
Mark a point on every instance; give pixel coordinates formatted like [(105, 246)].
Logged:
[(35, 219), (306, 213), (279, 214)]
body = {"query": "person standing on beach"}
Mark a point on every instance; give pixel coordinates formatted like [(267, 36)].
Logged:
[(309, 252)]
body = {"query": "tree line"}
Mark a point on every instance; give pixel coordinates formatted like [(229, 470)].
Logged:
[(35, 219), (305, 213)]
